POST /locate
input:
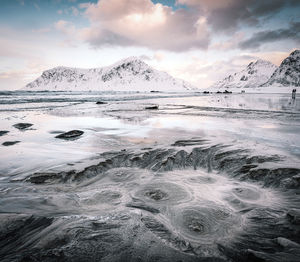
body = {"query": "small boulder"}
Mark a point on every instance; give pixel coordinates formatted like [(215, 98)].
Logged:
[(70, 135), (22, 126), (205, 92), (151, 107), (100, 103), (3, 132), (10, 143)]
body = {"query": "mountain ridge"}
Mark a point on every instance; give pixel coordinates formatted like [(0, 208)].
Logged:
[(262, 73), (129, 74), (255, 74)]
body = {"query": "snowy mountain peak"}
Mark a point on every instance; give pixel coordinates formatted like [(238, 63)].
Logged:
[(255, 74), (130, 59), (288, 73), (260, 62), (130, 74)]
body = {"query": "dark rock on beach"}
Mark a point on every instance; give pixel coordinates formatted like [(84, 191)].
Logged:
[(2, 133), (22, 126), (151, 107), (10, 143), (190, 142), (70, 135), (41, 178), (100, 103)]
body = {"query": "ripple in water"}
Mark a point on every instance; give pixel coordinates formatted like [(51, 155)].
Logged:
[(246, 193), (121, 174), (205, 225), (163, 193), (202, 180), (103, 197), (156, 194)]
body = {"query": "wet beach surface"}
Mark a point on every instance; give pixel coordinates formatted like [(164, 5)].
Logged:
[(201, 178)]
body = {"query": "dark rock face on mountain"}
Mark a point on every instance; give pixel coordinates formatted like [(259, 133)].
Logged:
[(288, 73)]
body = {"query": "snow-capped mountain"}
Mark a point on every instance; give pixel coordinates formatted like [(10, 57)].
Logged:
[(255, 74), (288, 73), (131, 74)]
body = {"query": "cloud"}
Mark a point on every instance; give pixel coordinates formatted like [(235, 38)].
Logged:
[(231, 43), (274, 57), (203, 72), (70, 33), (208, 4), (41, 30), (267, 36), (70, 10), (142, 23), (74, 11), (158, 56), (229, 15), (18, 78), (66, 27)]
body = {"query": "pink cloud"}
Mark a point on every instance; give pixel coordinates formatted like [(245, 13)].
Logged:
[(206, 4), (142, 23), (231, 43), (66, 27)]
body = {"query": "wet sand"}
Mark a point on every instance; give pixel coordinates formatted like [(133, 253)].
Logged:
[(203, 178)]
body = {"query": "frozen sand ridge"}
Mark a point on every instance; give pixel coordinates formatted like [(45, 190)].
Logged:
[(130, 74), (254, 75), (288, 73)]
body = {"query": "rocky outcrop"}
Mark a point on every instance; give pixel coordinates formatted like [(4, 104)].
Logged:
[(288, 73)]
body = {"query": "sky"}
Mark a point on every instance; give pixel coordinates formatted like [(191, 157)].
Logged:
[(200, 41)]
